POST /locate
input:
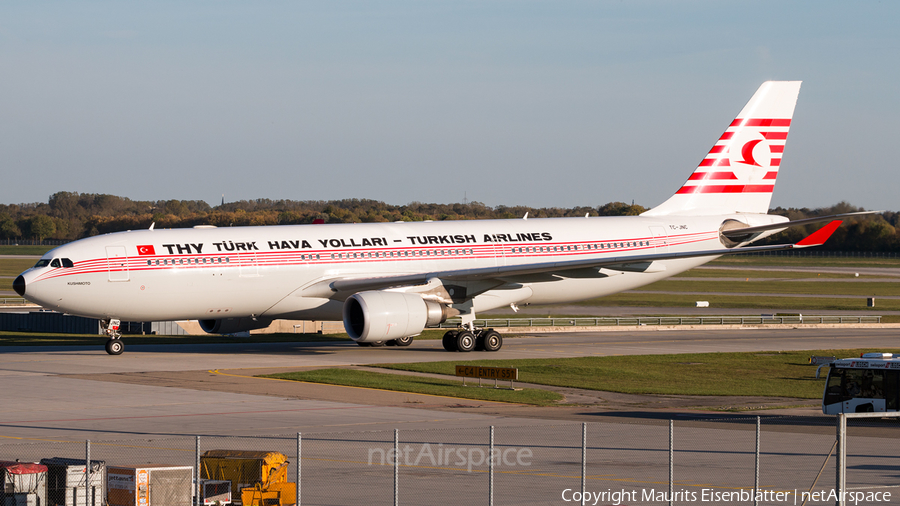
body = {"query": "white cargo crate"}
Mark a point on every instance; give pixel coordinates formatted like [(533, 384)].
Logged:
[(66, 482)]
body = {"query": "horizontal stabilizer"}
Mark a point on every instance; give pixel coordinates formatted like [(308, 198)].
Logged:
[(740, 232)]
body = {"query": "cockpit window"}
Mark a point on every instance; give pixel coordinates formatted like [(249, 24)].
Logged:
[(44, 262), (55, 263), (67, 263)]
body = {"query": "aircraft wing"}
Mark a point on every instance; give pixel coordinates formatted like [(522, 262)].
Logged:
[(633, 263)]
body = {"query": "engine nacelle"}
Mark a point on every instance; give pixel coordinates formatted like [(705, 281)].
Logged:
[(233, 325), (382, 316)]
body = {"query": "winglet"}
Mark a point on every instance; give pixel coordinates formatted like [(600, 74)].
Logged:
[(819, 237)]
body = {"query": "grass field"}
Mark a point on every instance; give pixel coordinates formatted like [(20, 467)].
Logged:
[(14, 266), (25, 250), (420, 385), (799, 287), (767, 274), (748, 260), (764, 304), (770, 374)]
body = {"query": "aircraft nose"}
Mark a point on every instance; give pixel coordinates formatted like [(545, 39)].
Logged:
[(19, 286)]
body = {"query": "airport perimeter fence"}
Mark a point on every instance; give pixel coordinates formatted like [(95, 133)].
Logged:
[(820, 253), (33, 242), (650, 461), (634, 321)]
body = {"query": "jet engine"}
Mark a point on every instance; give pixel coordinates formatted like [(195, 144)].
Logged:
[(233, 325), (381, 316)]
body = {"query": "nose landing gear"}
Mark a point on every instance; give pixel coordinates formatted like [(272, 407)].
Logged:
[(114, 345)]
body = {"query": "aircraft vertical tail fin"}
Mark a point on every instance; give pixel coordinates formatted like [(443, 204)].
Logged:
[(738, 174)]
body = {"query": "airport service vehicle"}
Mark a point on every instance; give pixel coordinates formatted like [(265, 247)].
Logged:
[(869, 384), (389, 281)]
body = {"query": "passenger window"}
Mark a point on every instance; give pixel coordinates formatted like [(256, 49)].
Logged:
[(67, 263), (55, 263)]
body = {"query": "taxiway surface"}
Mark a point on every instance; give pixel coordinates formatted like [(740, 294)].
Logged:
[(81, 393)]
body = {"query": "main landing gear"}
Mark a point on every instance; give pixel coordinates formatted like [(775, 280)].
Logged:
[(467, 340), (114, 345)]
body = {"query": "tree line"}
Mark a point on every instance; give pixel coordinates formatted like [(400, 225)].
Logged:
[(72, 215)]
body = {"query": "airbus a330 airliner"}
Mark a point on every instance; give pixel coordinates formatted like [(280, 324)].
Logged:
[(389, 281)]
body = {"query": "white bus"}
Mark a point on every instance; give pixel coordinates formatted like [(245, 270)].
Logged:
[(869, 384)]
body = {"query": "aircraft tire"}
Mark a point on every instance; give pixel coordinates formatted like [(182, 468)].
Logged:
[(449, 340), (404, 341), (491, 340), (465, 341), (115, 346)]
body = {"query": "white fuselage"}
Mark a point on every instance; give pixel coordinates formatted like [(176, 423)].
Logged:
[(209, 273)]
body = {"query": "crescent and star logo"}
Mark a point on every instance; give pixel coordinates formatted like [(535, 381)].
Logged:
[(751, 155), (146, 250), (747, 152)]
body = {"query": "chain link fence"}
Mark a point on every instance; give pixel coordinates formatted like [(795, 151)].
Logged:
[(786, 460)]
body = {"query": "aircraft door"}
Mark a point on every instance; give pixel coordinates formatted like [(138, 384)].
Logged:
[(500, 253), (248, 265), (660, 239), (117, 263)]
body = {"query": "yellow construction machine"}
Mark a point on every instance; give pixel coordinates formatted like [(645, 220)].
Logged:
[(260, 477)]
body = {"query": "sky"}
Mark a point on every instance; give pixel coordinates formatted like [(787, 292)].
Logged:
[(537, 103)]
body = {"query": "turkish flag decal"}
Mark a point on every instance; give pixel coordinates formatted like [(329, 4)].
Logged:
[(146, 250)]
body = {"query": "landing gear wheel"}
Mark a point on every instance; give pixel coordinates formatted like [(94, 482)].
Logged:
[(114, 346), (449, 340), (491, 340), (402, 341), (465, 341)]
